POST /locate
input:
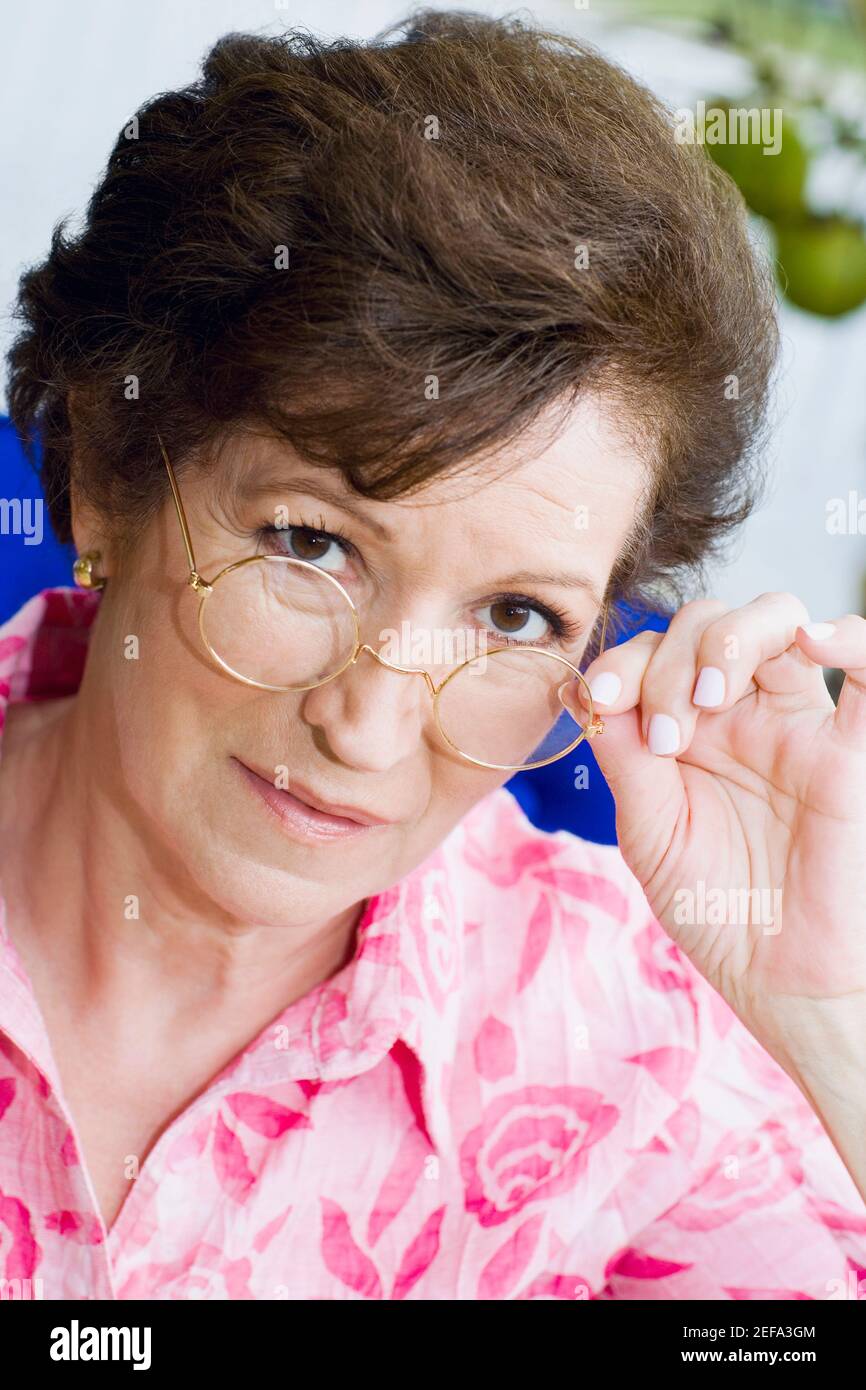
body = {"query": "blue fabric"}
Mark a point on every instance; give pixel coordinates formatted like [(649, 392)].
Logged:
[(31, 562), (564, 796), (547, 794)]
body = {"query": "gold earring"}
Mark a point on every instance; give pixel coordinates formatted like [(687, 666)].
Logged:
[(83, 573)]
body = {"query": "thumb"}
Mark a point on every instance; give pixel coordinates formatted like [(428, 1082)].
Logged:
[(648, 789)]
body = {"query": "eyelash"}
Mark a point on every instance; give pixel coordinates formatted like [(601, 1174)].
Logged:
[(563, 628), (318, 528)]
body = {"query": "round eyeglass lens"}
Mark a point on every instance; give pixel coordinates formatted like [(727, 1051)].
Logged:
[(503, 708), (278, 622)]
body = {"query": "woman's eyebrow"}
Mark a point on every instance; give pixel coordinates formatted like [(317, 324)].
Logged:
[(313, 487), (565, 579), (318, 487)]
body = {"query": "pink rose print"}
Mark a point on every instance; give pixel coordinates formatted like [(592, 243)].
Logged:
[(769, 1168), (331, 1013), (638, 1264), (75, 1225), (377, 911), (773, 1295), (265, 1116), (590, 889), (68, 1151), (343, 1256), (531, 1145), (270, 1230), (7, 1093), (495, 1050), (19, 1252), (401, 1179), (684, 1126), (383, 949), (506, 868), (502, 1272), (60, 644), (536, 942), (836, 1218), (230, 1163), (420, 1254), (345, 1259), (10, 646), (549, 1285), (660, 963), (202, 1273), (671, 1067), (434, 940), (410, 1070)]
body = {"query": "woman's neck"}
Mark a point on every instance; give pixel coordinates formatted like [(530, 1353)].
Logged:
[(106, 917)]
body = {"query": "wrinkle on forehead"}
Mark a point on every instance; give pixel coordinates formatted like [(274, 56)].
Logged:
[(538, 481), (587, 450)]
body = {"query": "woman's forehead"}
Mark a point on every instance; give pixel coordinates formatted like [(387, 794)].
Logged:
[(582, 468)]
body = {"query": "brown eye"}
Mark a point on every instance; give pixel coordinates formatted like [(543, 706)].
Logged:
[(513, 620), (317, 547), (309, 545), (510, 618)]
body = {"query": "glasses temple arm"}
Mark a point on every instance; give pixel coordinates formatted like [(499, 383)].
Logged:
[(605, 616), (181, 515), (187, 539)]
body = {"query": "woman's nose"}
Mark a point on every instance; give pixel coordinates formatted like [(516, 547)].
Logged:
[(372, 715)]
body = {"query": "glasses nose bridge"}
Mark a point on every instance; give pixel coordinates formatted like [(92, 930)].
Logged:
[(390, 665)]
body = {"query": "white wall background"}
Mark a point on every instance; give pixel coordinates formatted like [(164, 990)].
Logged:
[(73, 74)]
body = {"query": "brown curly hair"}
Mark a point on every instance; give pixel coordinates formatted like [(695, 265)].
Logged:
[(303, 238)]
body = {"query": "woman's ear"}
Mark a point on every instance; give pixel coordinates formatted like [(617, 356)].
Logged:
[(89, 532)]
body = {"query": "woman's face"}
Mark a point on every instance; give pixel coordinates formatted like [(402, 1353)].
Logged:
[(194, 754)]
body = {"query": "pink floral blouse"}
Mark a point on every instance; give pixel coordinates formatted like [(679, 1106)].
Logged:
[(518, 1088)]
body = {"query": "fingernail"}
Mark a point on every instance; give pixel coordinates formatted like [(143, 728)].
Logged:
[(605, 687), (663, 735), (819, 632), (710, 687)]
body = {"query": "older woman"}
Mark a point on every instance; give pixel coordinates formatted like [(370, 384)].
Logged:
[(376, 377)]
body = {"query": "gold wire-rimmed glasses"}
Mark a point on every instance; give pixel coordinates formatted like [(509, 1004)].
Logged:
[(241, 610)]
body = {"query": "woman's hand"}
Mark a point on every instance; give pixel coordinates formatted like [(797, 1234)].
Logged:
[(741, 808)]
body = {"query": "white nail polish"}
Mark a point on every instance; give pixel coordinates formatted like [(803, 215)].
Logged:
[(819, 632), (663, 735), (605, 687), (710, 687)]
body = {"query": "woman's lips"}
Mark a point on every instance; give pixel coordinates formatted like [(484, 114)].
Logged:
[(297, 817)]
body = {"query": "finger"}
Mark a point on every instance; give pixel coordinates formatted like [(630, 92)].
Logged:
[(842, 644), (668, 714), (655, 671), (615, 677), (753, 647), (648, 791), (710, 658)]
